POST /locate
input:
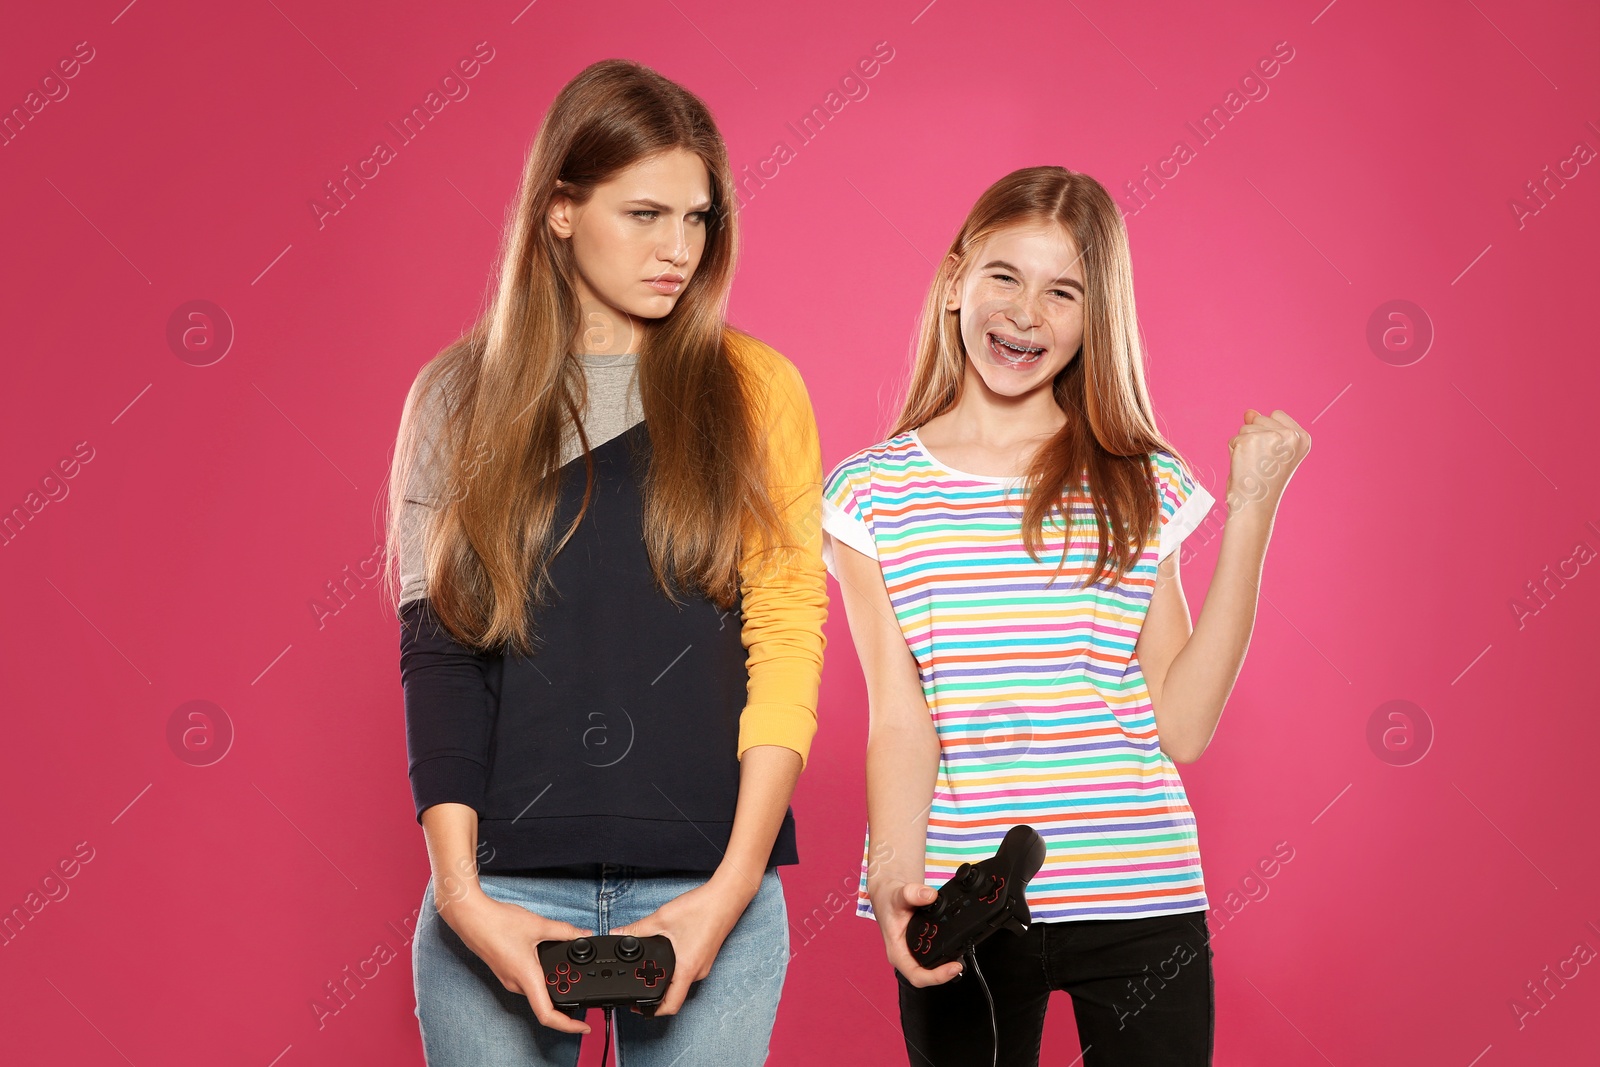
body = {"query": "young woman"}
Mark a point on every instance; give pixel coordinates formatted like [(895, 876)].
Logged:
[(605, 508), (1009, 569)]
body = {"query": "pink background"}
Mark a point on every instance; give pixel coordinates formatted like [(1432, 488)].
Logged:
[(183, 561)]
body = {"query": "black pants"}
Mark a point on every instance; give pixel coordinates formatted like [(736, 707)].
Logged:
[(1142, 993)]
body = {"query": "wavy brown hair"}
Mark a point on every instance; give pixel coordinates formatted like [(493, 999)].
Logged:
[(510, 387), (1110, 429)]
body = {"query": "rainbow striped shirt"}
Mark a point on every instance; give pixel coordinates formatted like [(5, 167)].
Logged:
[(1036, 693)]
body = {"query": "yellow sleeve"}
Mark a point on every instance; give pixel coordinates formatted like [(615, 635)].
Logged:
[(784, 591)]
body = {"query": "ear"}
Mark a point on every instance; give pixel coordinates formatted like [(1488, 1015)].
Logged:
[(560, 215), (952, 298)]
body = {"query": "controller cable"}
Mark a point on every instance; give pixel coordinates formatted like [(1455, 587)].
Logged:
[(605, 1049), (971, 958)]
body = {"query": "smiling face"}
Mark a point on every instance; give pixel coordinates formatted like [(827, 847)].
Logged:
[(636, 243), (1021, 305)]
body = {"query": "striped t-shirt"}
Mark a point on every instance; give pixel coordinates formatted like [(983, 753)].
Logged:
[(1036, 693)]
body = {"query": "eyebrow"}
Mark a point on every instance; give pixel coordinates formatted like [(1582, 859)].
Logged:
[(655, 205), (1015, 270)]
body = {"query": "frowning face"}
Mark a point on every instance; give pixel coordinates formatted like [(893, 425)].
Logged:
[(636, 242)]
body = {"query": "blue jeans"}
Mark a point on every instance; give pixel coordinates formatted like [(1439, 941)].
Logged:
[(468, 1019)]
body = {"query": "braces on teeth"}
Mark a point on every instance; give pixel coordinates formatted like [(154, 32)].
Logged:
[(1002, 343)]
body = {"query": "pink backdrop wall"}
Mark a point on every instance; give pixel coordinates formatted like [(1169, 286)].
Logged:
[(1437, 548)]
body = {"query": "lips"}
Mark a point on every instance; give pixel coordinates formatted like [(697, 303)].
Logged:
[(1012, 351), (665, 283)]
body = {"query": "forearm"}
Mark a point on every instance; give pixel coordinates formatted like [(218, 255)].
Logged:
[(902, 770), (1203, 673), (502, 935), (767, 777), (451, 832)]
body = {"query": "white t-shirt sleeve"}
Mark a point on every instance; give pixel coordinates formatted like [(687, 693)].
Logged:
[(846, 515), (1185, 503)]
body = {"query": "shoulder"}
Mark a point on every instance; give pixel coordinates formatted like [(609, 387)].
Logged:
[(1165, 462), (425, 418), (860, 466), (432, 393), (772, 381), (1170, 471), (1179, 491), (759, 360)]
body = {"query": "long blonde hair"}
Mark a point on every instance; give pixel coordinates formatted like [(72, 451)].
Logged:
[(510, 386), (1110, 429)]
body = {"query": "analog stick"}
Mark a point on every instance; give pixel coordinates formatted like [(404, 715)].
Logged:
[(629, 948), (581, 950)]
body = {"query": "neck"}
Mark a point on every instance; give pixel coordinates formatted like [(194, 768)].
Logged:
[(605, 331), (983, 416)]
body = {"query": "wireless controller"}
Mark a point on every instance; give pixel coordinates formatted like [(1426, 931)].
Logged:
[(978, 899), (607, 971)]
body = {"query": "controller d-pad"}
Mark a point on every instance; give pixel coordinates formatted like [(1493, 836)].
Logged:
[(650, 973), (997, 882)]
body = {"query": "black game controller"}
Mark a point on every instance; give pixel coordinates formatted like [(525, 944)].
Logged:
[(978, 900), (607, 971)]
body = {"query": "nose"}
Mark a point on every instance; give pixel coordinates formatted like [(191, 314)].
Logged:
[(1025, 311), (677, 253)]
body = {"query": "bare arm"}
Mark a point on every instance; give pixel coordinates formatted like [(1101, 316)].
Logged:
[(450, 831), (1190, 673), (767, 777), (902, 761)]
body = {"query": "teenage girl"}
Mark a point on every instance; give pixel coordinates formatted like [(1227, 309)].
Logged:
[(1016, 674), (605, 507)]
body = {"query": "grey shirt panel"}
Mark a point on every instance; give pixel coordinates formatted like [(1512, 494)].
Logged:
[(613, 406)]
